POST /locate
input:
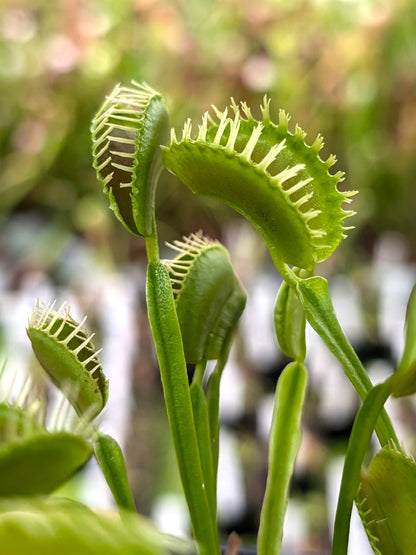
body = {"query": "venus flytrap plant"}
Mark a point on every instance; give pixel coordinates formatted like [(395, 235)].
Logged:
[(192, 440), (209, 298), (385, 493), (285, 432), (267, 174), (35, 458), (65, 350), (169, 349), (209, 301), (283, 187), (386, 501), (126, 133), (385, 497), (280, 183)]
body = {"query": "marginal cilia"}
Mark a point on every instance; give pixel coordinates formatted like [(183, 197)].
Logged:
[(294, 181)]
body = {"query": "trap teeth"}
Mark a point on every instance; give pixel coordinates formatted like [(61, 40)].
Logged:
[(269, 175), (208, 296), (66, 352), (126, 133)]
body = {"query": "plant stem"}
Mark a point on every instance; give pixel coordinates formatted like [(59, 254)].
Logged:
[(361, 432), (213, 400), (201, 419), (203, 433), (169, 349), (283, 446), (314, 296), (199, 371), (152, 246)]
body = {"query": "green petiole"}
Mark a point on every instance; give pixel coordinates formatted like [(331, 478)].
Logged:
[(202, 427), (361, 432), (283, 447), (110, 458), (316, 301), (171, 358)]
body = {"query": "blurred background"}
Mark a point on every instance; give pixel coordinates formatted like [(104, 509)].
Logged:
[(343, 68)]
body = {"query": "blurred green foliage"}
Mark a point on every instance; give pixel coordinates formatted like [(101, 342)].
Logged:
[(345, 68)]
